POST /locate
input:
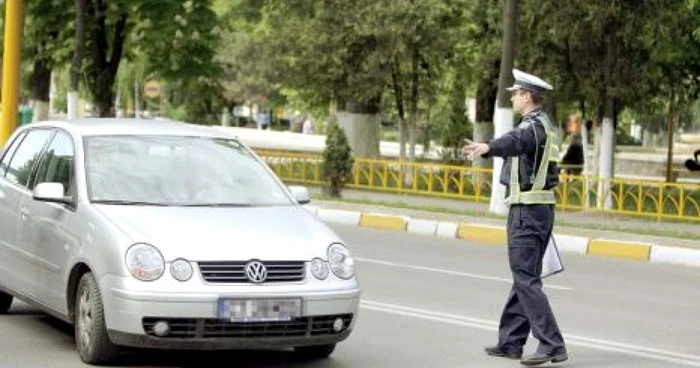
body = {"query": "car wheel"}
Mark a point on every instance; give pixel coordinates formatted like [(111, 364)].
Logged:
[(5, 302), (315, 351), (91, 336)]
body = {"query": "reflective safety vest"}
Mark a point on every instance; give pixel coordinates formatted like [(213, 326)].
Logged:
[(537, 195)]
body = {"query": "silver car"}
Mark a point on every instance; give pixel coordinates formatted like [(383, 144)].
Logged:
[(163, 234)]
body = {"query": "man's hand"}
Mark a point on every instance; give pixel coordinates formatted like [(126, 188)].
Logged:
[(473, 149)]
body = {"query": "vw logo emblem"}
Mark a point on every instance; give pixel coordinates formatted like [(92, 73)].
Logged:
[(256, 271)]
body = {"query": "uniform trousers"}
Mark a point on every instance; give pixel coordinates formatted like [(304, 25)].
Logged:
[(527, 307)]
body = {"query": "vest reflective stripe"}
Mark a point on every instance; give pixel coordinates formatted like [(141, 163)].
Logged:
[(537, 195), (546, 156)]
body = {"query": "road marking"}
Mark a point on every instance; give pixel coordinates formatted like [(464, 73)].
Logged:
[(598, 344), (450, 272)]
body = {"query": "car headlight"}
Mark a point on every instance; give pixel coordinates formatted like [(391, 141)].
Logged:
[(319, 268), (145, 262), (181, 269), (341, 262)]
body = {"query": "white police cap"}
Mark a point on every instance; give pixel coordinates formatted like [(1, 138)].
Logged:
[(529, 82)]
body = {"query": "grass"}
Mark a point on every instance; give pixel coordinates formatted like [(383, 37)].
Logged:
[(593, 225)]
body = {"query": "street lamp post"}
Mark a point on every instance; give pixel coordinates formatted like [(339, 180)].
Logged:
[(11, 67)]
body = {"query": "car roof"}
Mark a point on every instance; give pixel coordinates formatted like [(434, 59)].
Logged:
[(126, 126)]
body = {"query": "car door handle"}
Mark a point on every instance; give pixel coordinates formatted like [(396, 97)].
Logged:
[(23, 213)]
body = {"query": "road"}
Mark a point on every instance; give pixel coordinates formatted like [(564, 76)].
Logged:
[(431, 302)]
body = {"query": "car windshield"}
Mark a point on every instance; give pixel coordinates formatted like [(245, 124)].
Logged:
[(177, 171)]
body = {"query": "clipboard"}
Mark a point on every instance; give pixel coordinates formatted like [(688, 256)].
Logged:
[(551, 260)]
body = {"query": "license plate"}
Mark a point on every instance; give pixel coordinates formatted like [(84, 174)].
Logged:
[(257, 310)]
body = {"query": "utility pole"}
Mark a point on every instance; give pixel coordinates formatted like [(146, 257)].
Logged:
[(11, 67)]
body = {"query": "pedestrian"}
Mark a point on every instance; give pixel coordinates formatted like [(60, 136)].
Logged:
[(529, 174)]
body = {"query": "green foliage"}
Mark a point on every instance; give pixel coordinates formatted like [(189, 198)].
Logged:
[(337, 159), (630, 53), (306, 54), (49, 30), (178, 113), (448, 116), (179, 38)]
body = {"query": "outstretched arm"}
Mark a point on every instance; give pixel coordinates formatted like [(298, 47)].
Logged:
[(518, 141)]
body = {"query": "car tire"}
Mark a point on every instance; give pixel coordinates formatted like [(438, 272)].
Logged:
[(91, 339), (5, 302), (315, 351)]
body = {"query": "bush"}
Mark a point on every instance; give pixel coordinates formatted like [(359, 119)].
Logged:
[(337, 159)]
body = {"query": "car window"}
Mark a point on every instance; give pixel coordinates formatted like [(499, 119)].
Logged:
[(57, 164), (23, 161), (9, 152)]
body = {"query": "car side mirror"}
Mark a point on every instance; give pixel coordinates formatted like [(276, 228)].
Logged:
[(51, 192), (301, 194)]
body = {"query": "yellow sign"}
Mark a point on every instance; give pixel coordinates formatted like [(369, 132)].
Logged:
[(151, 89)]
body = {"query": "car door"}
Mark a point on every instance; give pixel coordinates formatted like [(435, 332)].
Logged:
[(15, 261), (46, 229), (8, 212)]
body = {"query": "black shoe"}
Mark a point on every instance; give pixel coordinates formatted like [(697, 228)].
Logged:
[(539, 358), (499, 352)]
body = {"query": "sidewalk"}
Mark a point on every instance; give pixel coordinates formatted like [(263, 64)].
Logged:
[(586, 233)]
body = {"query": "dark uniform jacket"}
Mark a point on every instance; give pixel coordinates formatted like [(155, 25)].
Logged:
[(526, 140)]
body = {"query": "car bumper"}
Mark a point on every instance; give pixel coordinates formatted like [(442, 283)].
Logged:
[(192, 315), (145, 341)]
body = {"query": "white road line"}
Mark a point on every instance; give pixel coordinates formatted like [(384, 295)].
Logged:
[(598, 344), (450, 272)]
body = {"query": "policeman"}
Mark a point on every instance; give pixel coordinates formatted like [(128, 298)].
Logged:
[(529, 174)]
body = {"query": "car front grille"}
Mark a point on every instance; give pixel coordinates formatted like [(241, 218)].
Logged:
[(234, 271), (214, 328)]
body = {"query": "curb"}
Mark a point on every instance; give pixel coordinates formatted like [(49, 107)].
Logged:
[(496, 236)]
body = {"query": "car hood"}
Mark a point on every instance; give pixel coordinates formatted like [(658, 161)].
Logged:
[(225, 233)]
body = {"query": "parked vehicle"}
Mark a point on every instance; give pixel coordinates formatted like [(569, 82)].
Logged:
[(164, 234)]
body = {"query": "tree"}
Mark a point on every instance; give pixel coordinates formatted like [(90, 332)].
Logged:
[(674, 51), (333, 56), (483, 39), (47, 45), (107, 26), (337, 160), (77, 62), (594, 51), (503, 118), (177, 36)]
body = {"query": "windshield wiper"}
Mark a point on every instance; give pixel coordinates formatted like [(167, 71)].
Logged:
[(129, 203)]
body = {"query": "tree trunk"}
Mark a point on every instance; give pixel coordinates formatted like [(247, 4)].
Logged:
[(398, 94), (503, 116), (361, 122), (595, 159), (607, 147), (40, 81), (486, 94), (413, 113), (53, 90), (105, 66), (103, 95), (586, 164), (671, 128), (647, 138), (77, 63)]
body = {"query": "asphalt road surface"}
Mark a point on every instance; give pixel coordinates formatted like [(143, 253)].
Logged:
[(431, 302)]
